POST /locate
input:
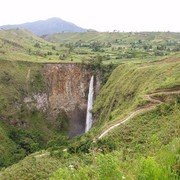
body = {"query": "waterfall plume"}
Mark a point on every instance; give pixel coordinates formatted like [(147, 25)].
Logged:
[(89, 105)]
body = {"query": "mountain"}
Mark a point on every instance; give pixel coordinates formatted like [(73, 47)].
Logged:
[(49, 26)]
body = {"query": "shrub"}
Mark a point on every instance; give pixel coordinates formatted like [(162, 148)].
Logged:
[(62, 57), (150, 170), (106, 145), (96, 46), (53, 47), (37, 45), (6, 78), (162, 167), (49, 53), (104, 167), (108, 167)]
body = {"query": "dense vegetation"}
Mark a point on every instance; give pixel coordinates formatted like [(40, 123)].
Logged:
[(146, 147), (21, 45), (115, 46), (78, 47), (128, 84), (23, 130)]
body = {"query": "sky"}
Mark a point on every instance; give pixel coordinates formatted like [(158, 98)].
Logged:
[(101, 15)]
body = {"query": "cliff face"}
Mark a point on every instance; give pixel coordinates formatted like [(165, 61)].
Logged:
[(36, 101), (68, 86)]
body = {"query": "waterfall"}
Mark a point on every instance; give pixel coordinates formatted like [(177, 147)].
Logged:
[(89, 105)]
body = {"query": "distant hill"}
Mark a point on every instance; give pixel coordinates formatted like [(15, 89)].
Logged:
[(114, 37), (49, 26)]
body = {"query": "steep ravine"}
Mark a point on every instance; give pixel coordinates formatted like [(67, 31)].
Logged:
[(66, 96), (67, 93), (40, 102)]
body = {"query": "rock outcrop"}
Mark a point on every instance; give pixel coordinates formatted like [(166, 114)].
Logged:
[(67, 92)]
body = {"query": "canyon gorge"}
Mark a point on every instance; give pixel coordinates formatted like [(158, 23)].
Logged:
[(66, 94)]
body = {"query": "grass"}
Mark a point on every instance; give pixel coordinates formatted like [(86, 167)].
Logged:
[(128, 83), (146, 147), (22, 130), (35, 168), (146, 133), (14, 83), (21, 45), (111, 37)]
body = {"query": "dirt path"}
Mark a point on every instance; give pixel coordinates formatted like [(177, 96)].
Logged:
[(42, 155), (153, 103)]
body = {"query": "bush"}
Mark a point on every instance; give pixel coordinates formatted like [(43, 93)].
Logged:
[(108, 167), (49, 53), (150, 170), (162, 167), (58, 142), (53, 47), (82, 147), (159, 53), (37, 45), (6, 78), (105, 167), (96, 46), (106, 145), (25, 140), (62, 57)]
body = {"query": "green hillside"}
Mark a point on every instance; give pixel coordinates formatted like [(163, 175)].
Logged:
[(129, 82), (112, 36), (118, 46), (146, 147), (95, 103), (114, 47), (22, 130), (22, 45)]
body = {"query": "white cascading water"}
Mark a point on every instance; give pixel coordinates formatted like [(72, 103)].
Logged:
[(89, 105)]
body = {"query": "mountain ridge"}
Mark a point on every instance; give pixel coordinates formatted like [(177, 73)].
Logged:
[(48, 26)]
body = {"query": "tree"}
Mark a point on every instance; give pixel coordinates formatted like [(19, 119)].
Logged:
[(53, 47), (96, 46), (37, 45)]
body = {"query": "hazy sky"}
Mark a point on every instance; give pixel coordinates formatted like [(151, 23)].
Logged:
[(102, 15)]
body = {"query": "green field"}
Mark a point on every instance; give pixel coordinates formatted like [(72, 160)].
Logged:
[(114, 47)]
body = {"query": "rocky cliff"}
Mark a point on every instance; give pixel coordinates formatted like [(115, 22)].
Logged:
[(37, 101), (66, 95)]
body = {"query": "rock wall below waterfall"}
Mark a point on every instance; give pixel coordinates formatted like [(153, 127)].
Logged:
[(38, 103), (68, 86)]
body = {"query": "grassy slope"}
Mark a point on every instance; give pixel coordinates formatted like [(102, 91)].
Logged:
[(32, 168), (21, 130), (111, 37), (115, 47), (129, 82), (149, 135), (19, 45)]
